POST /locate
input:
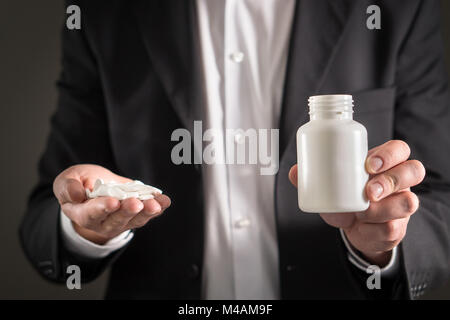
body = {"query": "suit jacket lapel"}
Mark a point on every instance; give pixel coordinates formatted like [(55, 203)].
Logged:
[(171, 37), (317, 27)]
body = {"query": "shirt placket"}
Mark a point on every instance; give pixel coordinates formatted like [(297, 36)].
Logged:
[(236, 117)]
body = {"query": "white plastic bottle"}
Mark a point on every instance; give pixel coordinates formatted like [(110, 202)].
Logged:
[(331, 153)]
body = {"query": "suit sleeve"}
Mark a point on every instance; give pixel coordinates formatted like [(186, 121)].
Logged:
[(79, 133), (422, 119)]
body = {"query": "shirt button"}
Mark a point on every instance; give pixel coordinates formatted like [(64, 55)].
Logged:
[(48, 271), (242, 223), (193, 271), (237, 56), (290, 268)]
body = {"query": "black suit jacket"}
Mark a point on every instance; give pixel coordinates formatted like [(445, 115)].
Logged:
[(132, 75)]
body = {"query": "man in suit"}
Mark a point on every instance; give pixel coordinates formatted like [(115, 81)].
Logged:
[(137, 71)]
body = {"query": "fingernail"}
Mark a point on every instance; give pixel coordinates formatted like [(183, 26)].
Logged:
[(375, 164), (376, 190)]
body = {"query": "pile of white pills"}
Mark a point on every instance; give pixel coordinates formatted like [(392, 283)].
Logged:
[(121, 191)]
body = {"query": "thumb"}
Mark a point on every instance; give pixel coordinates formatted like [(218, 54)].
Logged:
[(293, 175), (70, 190)]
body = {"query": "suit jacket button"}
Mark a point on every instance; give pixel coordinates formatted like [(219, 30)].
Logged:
[(193, 271), (48, 271), (290, 268)]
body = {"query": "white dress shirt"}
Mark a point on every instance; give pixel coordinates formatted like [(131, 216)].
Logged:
[(244, 45)]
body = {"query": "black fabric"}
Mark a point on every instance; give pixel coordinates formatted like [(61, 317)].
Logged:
[(132, 75)]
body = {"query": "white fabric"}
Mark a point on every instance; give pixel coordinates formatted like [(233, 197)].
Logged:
[(76, 243), (390, 269), (244, 49), (122, 191)]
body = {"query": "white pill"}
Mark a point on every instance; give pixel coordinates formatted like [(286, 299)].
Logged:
[(121, 191)]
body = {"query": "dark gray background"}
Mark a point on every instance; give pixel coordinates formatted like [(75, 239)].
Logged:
[(29, 66)]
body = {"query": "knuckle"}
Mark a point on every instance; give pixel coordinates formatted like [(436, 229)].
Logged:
[(403, 146), (110, 204), (410, 202), (391, 230), (390, 182), (394, 150)]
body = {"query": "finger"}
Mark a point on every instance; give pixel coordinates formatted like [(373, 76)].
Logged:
[(405, 175), (339, 220), (152, 208), (397, 206), (383, 236), (69, 190), (163, 200), (386, 156), (91, 213), (116, 221), (293, 175)]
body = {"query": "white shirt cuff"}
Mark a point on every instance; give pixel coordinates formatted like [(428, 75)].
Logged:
[(390, 269), (79, 245)]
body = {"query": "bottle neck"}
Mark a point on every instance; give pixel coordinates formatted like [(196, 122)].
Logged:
[(336, 106), (328, 115)]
